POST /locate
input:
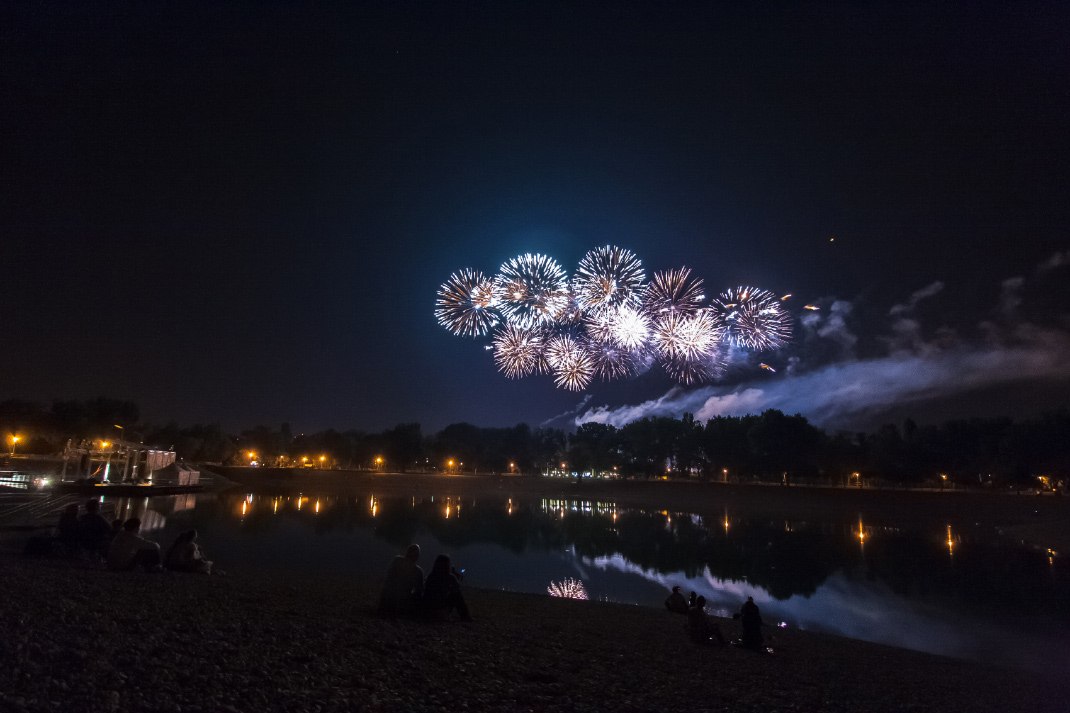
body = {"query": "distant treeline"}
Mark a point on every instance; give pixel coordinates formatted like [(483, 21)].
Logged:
[(771, 446)]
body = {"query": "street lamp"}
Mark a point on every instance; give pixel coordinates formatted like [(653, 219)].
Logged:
[(378, 462), (724, 475), (14, 442), (449, 465), (323, 459)]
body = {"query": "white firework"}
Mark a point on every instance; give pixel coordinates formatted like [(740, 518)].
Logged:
[(613, 362), (605, 322), (692, 338), (753, 318), (608, 277), (467, 302), (673, 291), (572, 364), (517, 351), (567, 588), (533, 290), (692, 371), (630, 328)]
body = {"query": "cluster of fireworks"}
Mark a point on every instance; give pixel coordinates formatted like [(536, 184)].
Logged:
[(607, 321)]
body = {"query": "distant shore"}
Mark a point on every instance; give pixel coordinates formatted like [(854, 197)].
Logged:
[(81, 638), (1039, 521)]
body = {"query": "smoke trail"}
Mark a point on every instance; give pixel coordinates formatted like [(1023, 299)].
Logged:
[(837, 393), (913, 369)]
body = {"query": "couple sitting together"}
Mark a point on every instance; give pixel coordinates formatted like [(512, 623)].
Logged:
[(407, 593)]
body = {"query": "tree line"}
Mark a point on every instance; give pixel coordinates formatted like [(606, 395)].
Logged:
[(771, 446)]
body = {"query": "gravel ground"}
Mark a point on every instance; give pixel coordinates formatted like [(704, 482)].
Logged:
[(77, 638)]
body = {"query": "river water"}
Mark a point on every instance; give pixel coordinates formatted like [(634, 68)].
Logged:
[(967, 594)]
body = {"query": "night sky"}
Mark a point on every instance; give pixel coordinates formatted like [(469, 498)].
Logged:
[(242, 213)]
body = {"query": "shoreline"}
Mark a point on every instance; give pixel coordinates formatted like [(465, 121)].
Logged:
[(82, 638), (1040, 521)]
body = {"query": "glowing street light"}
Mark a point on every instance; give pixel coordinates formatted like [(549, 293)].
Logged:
[(323, 459), (378, 462), (14, 442), (104, 445)]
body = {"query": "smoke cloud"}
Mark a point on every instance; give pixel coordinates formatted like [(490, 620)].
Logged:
[(912, 369)]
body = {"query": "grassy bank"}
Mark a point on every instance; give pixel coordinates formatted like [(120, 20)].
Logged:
[(77, 638)]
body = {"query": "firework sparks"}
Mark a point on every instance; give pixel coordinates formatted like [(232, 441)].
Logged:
[(812, 308), (533, 290), (466, 303), (612, 362), (765, 366), (630, 328), (517, 351), (673, 291), (606, 322), (609, 277), (567, 588), (572, 365), (753, 318), (682, 337)]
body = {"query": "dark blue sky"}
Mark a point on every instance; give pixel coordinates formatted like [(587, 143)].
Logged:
[(242, 213)]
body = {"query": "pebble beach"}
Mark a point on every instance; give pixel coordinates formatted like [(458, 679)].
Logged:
[(76, 637)]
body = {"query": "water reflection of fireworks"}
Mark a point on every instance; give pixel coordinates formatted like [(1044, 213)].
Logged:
[(568, 588)]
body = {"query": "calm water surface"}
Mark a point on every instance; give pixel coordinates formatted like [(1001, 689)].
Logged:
[(961, 593)]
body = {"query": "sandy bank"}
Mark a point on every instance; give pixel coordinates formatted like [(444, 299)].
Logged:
[(89, 640)]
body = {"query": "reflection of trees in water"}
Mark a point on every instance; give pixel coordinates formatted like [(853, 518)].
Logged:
[(783, 558)]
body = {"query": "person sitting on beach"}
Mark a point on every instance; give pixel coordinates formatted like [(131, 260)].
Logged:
[(751, 620), (699, 626), (691, 599), (675, 602), (94, 532), (186, 556), (404, 584), (67, 530), (442, 591), (129, 550)]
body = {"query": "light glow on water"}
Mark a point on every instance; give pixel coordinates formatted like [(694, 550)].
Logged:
[(811, 573)]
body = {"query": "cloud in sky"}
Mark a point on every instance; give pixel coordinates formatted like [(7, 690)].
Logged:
[(913, 368)]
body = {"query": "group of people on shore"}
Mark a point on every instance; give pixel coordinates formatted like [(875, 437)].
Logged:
[(407, 593), (119, 543), (703, 630)]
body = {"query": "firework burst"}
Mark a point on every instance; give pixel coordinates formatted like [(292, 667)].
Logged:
[(466, 303), (533, 290), (567, 588), (605, 322), (673, 291), (753, 318), (572, 364), (517, 351), (630, 328), (686, 337), (608, 277)]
